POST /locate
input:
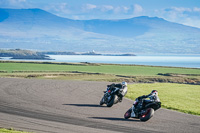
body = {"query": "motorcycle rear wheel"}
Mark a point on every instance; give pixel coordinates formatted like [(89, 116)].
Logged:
[(149, 112)]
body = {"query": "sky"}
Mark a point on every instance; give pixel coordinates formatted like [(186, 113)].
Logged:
[(185, 12)]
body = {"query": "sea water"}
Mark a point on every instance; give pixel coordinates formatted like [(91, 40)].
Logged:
[(190, 61)]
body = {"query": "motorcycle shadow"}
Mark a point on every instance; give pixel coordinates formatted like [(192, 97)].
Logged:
[(115, 119), (85, 105)]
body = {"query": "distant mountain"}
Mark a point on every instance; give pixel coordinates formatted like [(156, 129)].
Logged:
[(39, 30)]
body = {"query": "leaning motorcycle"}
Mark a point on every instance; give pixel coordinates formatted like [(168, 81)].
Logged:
[(144, 109), (110, 97)]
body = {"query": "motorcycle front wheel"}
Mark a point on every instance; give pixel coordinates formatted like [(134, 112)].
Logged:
[(128, 114), (111, 102), (102, 101)]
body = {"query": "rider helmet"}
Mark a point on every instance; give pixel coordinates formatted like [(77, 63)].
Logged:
[(124, 83), (154, 92)]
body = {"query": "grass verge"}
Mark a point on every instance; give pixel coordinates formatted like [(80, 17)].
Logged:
[(3, 130)]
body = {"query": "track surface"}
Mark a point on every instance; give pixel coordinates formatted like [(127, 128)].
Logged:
[(56, 106)]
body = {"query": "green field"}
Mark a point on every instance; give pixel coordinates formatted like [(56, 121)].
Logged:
[(107, 69), (100, 72), (180, 97)]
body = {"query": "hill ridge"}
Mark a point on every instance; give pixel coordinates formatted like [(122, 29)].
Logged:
[(40, 30)]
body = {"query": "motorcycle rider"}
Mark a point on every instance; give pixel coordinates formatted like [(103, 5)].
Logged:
[(153, 96), (122, 89)]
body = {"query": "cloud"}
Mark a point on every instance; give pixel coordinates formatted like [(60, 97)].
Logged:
[(94, 11), (137, 9), (110, 9), (121, 10), (96, 8), (90, 6), (103, 11), (60, 9), (192, 22), (196, 9), (16, 1), (125, 8), (13, 3), (180, 9), (86, 8), (106, 8), (186, 16)]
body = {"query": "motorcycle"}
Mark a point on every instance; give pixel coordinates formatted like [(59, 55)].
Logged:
[(111, 96), (144, 109)]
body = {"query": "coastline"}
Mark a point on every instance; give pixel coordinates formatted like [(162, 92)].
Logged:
[(167, 60)]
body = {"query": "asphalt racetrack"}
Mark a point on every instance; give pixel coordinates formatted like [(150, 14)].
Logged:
[(60, 106)]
